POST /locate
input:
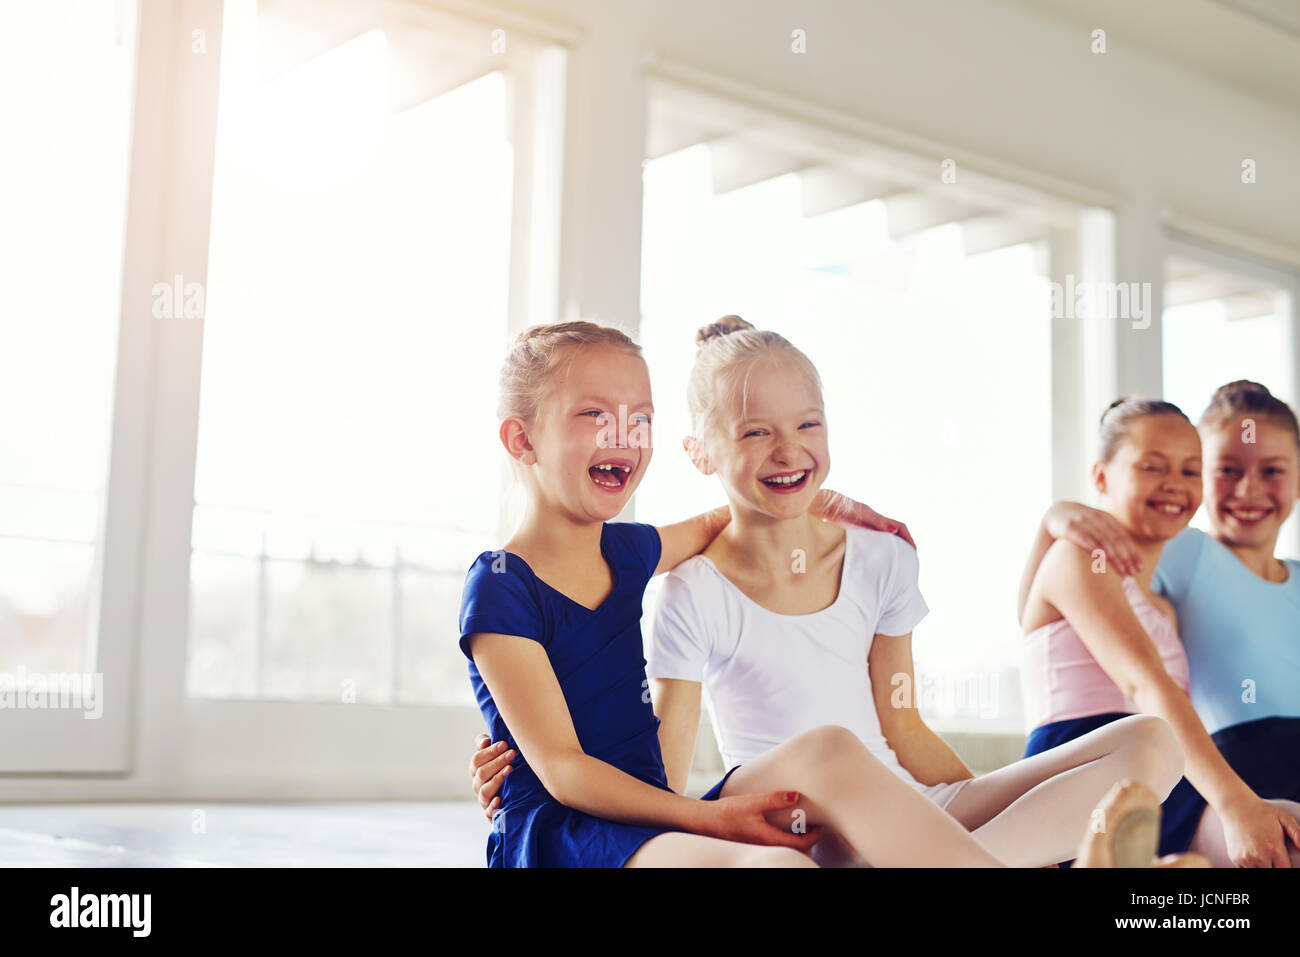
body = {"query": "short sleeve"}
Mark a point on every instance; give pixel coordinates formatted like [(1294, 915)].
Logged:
[(500, 597), (642, 541), (1178, 561), (679, 643), (902, 606)]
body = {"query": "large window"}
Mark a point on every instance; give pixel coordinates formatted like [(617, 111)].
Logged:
[(66, 67), (355, 319), (1222, 324), (929, 321)]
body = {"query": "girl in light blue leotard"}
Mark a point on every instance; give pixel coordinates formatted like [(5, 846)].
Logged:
[(1238, 603)]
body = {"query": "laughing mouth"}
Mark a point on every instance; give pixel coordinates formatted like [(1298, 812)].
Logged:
[(787, 481), (1249, 515), (1172, 509), (609, 475)]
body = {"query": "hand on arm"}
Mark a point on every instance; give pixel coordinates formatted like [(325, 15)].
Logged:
[(1088, 528), (925, 755), (528, 695), (677, 705), (488, 767), (1098, 610)]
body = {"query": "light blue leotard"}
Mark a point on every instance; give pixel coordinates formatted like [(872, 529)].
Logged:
[(1242, 634)]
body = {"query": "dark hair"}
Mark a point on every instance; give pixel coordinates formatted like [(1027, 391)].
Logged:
[(1246, 398), (1122, 413)]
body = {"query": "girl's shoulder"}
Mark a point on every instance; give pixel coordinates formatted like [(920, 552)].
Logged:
[(497, 576), (871, 553), (502, 596), (1065, 564), (637, 541)]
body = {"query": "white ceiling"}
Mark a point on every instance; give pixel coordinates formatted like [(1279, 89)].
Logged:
[(1252, 46)]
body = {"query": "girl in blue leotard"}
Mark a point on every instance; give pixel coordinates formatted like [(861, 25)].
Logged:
[(1237, 603), (551, 626)]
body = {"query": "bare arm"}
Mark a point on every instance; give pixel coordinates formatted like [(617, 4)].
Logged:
[(1098, 610), (677, 705), (925, 755), (1090, 529), (681, 540), (519, 676)]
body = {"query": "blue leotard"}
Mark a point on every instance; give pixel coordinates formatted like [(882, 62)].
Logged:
[(1241, 633), (1242, 636), (598, 659)]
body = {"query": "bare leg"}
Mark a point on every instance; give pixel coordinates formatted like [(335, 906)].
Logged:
[(845, 788), (1209, 839), (675, 849), (1032, 812)]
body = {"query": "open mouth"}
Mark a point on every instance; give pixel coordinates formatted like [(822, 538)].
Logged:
[(1171, 509), (786, 482), (610, 476)]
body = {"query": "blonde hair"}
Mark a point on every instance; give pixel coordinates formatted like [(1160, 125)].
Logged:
[(727, 348), (541, 354)]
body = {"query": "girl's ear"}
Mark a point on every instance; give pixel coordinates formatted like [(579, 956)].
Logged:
[(696, 452), (514, 436), (1099, 476)]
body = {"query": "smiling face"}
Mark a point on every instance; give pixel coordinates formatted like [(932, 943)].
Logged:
[(1152, 483), (1251, 486), (590, 442), (768, 441)]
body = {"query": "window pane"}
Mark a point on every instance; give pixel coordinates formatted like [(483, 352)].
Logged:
[(1218, 327), (63, 194), (932, 361), (355, 319)]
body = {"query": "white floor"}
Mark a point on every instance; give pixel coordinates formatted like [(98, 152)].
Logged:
[(371, 834)]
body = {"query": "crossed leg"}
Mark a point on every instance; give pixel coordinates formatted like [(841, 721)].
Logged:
[(1031, 813), (845, 789)]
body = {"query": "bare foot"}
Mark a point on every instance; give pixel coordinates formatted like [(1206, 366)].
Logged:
[(1124, 830)]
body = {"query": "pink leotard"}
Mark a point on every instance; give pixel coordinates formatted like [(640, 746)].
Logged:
[(1062, 680)]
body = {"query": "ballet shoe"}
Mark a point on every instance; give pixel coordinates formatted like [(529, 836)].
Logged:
[(1183, 860), (1124, 830)]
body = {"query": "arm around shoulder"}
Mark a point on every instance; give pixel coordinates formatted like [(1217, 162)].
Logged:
[(1090, 596)]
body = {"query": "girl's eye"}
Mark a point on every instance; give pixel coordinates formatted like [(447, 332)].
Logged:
[(641, 417), (810, 425), (752, 432), (595, 412)]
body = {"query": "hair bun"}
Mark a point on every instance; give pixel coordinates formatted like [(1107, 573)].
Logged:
[(1241, 387), (1115, 405), (723, 327)]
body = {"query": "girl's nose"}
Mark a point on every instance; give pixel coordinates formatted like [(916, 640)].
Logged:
[(785, 452), (1246, 484)]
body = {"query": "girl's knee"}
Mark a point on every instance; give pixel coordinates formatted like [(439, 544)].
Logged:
[(1157, 749), (829, 742)]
